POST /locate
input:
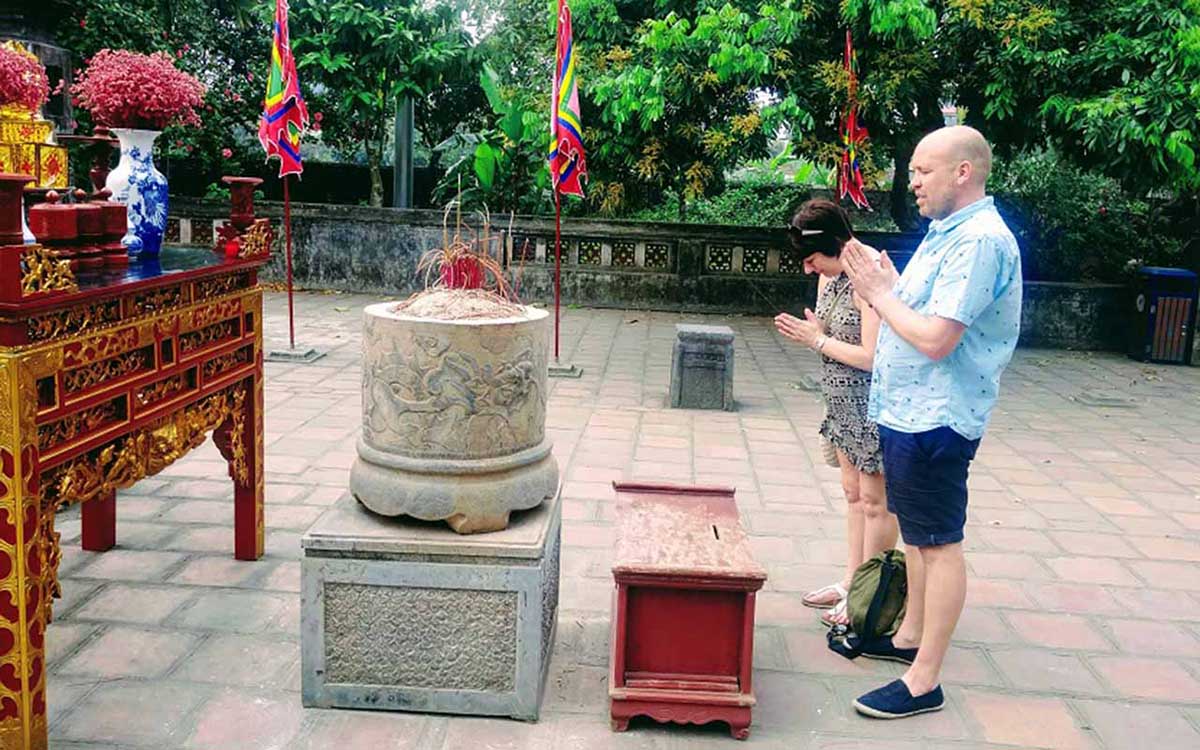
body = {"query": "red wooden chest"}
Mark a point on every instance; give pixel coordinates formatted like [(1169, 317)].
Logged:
[(683, 609)]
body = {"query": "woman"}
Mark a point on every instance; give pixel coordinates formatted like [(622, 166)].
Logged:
[(843, 332)]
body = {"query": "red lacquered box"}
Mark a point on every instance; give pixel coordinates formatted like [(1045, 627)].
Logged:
[(683, 610)]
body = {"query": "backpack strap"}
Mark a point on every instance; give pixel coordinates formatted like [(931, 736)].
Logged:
[(886, 573), (840, 639)]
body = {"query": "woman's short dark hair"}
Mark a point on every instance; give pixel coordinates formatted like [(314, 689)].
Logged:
[(825, 216)]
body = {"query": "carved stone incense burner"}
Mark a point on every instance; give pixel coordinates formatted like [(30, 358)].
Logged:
[(454, 415)]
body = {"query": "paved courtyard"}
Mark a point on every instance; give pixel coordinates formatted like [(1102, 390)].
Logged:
[(1082, 627)]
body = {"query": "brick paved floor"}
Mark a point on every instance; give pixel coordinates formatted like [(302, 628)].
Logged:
[(1082, 627)]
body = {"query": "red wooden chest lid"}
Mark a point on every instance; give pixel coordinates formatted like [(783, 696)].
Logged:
[(677, 530)]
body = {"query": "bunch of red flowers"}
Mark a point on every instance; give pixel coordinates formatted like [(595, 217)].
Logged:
[(125, 89), (23, 80)]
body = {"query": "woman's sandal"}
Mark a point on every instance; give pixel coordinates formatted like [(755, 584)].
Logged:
[(825, 597), (836, 616)]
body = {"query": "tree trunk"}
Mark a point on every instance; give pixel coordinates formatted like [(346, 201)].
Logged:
[(1184, 214), (901, 155), (929, 118), (373, 161)]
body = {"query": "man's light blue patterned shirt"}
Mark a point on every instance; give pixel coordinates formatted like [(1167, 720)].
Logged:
[(967, 268)]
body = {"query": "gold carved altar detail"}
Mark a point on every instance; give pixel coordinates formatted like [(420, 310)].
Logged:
[(27, 143), (42, 272), (108, 389)]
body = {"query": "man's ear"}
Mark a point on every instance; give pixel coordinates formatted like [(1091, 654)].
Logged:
[(965, 171)]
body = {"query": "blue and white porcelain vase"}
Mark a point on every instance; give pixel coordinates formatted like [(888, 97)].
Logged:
[(26, 235), (142, 188)]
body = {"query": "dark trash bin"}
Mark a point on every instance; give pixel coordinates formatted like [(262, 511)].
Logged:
[(1164, 315)]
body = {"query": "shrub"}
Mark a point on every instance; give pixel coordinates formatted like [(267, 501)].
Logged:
[(1076, 225), (762, 202)]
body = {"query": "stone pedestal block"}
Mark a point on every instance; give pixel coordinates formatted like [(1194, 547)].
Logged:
[(702, 367), (401, 615)]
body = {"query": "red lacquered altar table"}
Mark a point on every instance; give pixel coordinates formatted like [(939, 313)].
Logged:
[(106, 377), (683, 609)]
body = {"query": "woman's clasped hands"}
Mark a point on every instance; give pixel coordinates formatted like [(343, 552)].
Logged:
[(809, 331)]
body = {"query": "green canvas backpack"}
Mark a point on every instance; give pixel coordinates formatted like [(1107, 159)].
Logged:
[(880, 583), (875, 603)]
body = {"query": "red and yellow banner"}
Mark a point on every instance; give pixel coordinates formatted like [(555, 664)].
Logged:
[(850, 179), (284, 117), (568, 167)]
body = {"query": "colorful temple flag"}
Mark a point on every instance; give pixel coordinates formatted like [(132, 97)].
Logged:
[(568, 168), (850, 179), (285, 117)]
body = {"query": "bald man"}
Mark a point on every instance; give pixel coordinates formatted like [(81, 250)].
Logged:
[(950, 324)]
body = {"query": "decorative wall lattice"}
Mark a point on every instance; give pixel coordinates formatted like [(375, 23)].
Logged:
[(790, 262), (658, 255), (754, 260), (624, 254), (591, 252), (719, 258), (524, 248), (202, 232)]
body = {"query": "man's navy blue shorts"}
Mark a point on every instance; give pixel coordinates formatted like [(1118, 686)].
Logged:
[(926, 478)]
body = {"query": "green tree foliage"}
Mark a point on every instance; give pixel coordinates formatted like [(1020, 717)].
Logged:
[(678, 93), (1113, 84), (501, 166), (1076, 224), (361, 56), (456, 102), (673, 94), (901, 80), (497, 154)]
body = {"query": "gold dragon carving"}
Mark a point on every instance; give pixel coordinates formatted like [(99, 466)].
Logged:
[(74, 321), (160, 300), (196, 340), (45, 273), (126, 459), (221, 285), (136, 456), (107, 370), (85, 318), (257, 239), (209, 314), (83, 422), (225, 362), (163, 389), (95, 348), (6, 415), (147, 451), (26, 579)]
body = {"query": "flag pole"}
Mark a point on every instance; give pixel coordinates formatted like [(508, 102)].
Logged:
[(566, 156), (287, 231), (557, 256), (284, 120), (559, 370)]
